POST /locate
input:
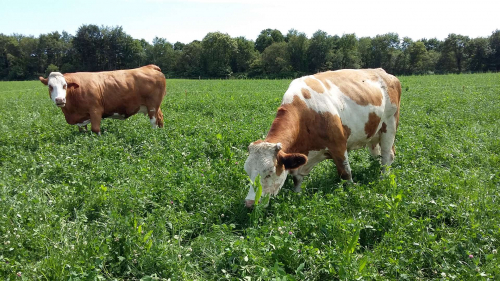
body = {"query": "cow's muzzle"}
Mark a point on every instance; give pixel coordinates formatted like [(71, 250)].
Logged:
[(249, 203), (60, 102)]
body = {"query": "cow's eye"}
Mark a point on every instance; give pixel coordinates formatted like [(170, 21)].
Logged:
[(50, 88), (65, 86), (268, 176)]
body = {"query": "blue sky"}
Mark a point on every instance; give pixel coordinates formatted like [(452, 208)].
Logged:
[(186, 21)]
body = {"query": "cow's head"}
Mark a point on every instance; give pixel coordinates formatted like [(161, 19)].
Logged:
[(272, 164), (57, 87)]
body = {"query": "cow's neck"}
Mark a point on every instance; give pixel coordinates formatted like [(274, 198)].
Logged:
[(73, 100), (285, 128), (300, 129)]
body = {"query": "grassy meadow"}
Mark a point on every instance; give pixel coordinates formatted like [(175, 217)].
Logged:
[(138, 203)]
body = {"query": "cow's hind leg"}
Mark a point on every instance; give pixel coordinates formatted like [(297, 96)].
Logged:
[(152, 116), (159, 118), (387, 142), (374, 146), (155, 116)]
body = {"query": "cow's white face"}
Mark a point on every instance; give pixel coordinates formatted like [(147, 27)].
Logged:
[(57, 88), (267, 160)]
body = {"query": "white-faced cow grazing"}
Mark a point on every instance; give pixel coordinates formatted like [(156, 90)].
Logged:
[(324, 116), (87, 97)]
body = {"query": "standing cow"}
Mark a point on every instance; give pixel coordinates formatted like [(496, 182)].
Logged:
[(87, 97), (324, 116)]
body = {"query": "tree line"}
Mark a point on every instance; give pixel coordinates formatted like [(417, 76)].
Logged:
[(218, 55)]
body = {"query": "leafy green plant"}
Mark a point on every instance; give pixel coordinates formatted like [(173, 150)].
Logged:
[(168, 203)]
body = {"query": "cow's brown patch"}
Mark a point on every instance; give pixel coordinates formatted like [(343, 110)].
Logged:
[(306, 93), (352, 83), (372, 124), (257, 141), (347, 131), (279, 168), (383, 129), (314, 84), (301, 129)]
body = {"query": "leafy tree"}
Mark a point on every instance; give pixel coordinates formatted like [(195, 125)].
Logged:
[(432, 44), (69, 58), (178, 46), (402, 59), (189, 61), (162, 54), (143, 50), (4, 63), (320, 44), (268, 37), (297, 49), (49, 51), (418, 54), (244, 55), (453, 53), (479, 51), (365, 52), (275, 58), (384, 51), (12, 62), (51, 68), (348, 53), (88, 44), (495, 50), (118, 48), (216, 56)]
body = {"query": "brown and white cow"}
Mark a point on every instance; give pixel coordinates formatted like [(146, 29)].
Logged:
[(324, 116), (87, 97)]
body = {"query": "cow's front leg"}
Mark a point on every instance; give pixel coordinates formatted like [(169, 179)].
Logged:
[(95, 121), (297, 182), (343, 167)]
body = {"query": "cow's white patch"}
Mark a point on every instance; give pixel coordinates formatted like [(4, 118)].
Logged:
[(57, 86), (153, 123), (313, 158), (143, 109), (84, 123), (117, 116)]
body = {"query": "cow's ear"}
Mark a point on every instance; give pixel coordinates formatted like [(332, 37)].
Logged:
[(292, 160), (278, 147), (45, 81)]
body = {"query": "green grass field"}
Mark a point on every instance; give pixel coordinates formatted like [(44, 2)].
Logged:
[(169, 203)]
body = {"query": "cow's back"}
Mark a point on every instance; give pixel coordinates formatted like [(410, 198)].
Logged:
[(363, 99), (116, 90)]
